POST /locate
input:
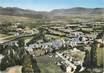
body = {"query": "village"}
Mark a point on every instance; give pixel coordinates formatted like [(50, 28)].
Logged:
[(73, 45)]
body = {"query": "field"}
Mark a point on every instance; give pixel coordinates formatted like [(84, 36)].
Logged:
[(4, 37), (47, 65), (100, 56)]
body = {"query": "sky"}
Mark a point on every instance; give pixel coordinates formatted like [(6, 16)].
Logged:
[(48, 5)]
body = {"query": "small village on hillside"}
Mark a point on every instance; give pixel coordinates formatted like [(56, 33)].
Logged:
[(59, 47)]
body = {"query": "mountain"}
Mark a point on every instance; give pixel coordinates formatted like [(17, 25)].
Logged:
[(13, 11), (77, 11)]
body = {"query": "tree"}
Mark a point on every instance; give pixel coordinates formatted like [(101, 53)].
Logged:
[(93, 55), (21, 42), (21, 26), (6, 27)]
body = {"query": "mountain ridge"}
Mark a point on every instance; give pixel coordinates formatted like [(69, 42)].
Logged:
[(14, 11)]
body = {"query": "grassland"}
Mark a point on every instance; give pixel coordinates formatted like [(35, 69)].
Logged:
[(47, 65), (4, 37), (100, 56)]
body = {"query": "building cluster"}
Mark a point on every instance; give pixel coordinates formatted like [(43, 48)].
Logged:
[(71, 46)]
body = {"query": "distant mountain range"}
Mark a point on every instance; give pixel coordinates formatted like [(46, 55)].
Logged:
[(13, 11), (78, 11)]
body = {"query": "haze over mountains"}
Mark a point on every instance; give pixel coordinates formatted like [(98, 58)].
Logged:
[(13, 11)]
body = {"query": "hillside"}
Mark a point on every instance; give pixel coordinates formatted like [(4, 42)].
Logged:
[(13, 11), (13, 14), (78, 11)]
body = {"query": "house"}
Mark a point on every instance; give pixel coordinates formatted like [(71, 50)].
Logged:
[(57, 44), (27, 30), (10, 43), (19, 30), (69, 70), (72, 59)]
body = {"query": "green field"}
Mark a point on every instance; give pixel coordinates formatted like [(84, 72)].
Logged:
[(100, 56), (4, 37), (47, 65)]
